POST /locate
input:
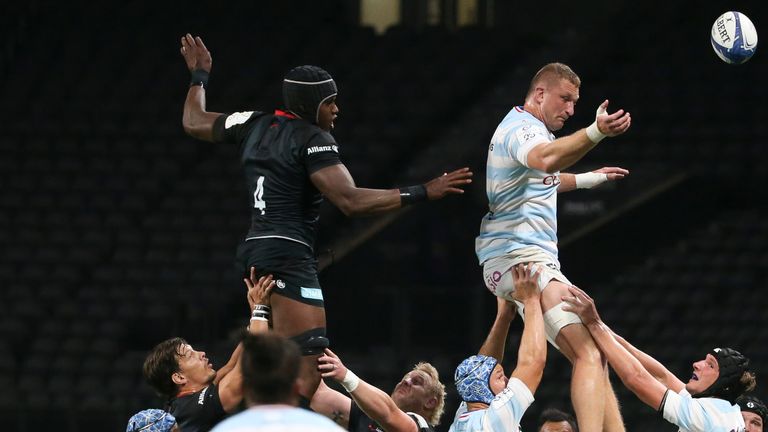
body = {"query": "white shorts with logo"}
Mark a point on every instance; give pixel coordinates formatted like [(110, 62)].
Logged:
[(498, 279)]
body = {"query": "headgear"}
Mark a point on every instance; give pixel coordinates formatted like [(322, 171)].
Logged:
[(305, 88), (732, 366), (753, 405), (473, 378), (151, 420)]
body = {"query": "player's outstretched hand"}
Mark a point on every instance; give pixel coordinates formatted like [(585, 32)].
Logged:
[(259, 289), (330, 366), (448, 183), (195, 53), (612, 124), (526, 281), (613, 173), (581, 304)]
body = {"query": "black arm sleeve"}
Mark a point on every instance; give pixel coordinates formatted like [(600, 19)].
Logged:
[(234, 127)]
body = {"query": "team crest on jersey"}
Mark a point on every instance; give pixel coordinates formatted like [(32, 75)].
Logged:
[(280, 284)]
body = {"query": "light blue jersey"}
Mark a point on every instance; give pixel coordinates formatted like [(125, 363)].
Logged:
[(277, 418), (522, 201), (701, 414), (502, 415)]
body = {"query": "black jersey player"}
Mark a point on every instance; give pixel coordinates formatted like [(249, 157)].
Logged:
[(291, 161)]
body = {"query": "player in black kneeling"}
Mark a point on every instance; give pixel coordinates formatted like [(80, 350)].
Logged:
[(291, 161)]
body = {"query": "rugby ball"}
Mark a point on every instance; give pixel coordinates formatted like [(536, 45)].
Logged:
[(734, 37)]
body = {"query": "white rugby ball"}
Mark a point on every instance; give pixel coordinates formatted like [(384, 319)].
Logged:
[(734, 37)]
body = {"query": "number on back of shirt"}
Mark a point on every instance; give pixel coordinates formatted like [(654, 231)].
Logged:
[(258, 196)]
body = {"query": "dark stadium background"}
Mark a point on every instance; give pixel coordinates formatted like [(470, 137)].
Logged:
[(117, 230)]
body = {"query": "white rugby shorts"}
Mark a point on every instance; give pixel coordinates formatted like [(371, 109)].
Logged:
[(498, 279)]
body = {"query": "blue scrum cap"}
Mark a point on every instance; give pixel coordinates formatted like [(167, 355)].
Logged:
[(473, 377)]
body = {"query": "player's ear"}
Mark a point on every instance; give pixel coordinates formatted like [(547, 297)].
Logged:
[(178, 378), (431, 403), (538, 94)]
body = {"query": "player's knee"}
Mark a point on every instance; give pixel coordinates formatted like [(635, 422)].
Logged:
[(588, 353), (312, 342)]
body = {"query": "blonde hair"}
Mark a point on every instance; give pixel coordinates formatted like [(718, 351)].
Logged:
[(551, 73), (748, 381), (437, 388)]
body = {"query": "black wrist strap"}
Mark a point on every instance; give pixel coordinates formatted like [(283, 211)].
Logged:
[(199, 78), (412, 195)]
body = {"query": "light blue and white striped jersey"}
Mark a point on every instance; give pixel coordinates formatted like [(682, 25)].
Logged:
[(522, 201), (702, 414), (502, 415), (277, 418)]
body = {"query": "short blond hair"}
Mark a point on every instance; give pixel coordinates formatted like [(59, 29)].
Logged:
[(551, 73), (436, 388)]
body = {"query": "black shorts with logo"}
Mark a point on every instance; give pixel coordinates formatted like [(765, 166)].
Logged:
[(291, 263)]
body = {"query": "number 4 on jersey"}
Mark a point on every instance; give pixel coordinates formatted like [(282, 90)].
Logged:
[(258, 196)]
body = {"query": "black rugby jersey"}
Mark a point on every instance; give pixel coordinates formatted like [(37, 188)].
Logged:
[(199, 411), (279, 152)]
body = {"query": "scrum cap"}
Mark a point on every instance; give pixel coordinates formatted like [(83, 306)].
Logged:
[(151, 420), (473, 377), (753, 405), (305, 88), (732, 365)]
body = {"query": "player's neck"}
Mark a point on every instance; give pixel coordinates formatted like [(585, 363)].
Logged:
[(532, 109), (189, 389), (474, 406)]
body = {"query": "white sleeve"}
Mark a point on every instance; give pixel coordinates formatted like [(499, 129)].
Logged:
[(686, 412), (508, 407), (524, 139), (462, 409)]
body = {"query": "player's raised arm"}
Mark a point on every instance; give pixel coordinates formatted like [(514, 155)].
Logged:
[(197, 122), (336, 183), (378, 405), (653, 366), (566, 151), (629, 369), (532, 354), (497, 338), (230, 378)]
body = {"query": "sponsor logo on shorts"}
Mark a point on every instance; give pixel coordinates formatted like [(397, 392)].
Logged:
[(280, 284), (317, 149), (312, 293), (492, 281)]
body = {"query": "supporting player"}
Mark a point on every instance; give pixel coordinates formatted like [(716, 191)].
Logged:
[(523, 179), (291, 161), (753, 411), (415, 405), (199, 396), (706, 403), (490, 400)]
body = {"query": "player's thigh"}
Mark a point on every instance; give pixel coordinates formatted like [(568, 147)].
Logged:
[(297, 298), (552, 295), (564, 327), (291, 317)]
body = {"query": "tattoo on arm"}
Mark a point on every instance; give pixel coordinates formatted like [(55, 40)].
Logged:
[(337, 417)]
